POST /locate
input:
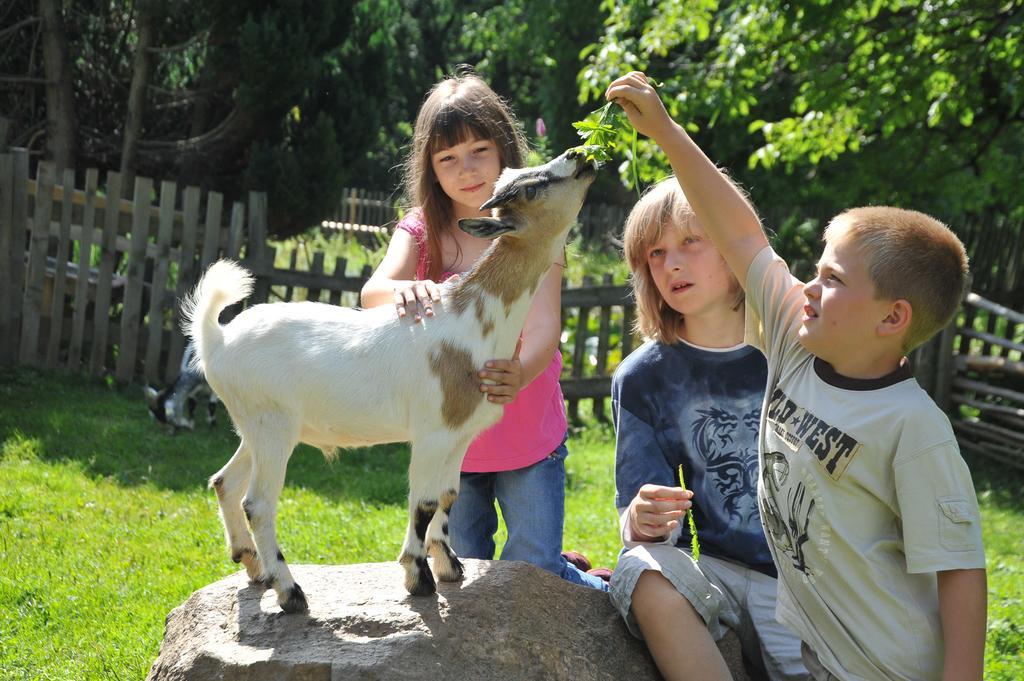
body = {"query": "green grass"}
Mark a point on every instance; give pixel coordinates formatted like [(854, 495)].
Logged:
[(106, 524)]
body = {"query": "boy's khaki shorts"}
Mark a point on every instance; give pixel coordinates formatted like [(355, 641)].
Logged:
[(727, 595)]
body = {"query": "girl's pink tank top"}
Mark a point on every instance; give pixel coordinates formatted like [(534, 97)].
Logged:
[(533, 424)]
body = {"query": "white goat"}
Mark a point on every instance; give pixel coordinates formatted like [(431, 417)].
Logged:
[(339, 377)]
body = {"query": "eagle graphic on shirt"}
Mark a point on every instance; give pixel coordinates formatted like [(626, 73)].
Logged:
[(787, 507)]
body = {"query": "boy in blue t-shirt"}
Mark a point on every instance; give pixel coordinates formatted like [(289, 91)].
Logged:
[(691, 396)]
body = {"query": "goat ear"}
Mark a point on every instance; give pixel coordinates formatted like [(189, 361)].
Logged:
[(486, 228)]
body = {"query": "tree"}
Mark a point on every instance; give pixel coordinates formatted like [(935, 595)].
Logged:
[(279, 95), (834, 104)]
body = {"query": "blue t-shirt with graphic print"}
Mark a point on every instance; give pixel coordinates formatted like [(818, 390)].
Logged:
[(680, 404)]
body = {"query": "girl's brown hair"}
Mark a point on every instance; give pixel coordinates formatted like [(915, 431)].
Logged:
[(663, 206), (457, 109)]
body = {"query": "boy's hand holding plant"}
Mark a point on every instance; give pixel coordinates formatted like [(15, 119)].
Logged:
[(603, 128)]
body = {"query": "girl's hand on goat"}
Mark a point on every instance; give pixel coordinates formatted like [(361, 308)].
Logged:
[(634, 93), (417, 296), (507, 377), (656, 509)]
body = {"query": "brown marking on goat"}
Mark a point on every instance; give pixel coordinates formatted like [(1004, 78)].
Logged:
[(520, 266), (461, 297), (460, 386), (512, 268), (448, 499), (486, 323)]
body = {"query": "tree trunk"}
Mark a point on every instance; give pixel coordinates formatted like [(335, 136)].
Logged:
[(137, 95), (60, 104)]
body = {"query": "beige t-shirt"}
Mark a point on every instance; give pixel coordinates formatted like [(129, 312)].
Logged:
[(863, 495)]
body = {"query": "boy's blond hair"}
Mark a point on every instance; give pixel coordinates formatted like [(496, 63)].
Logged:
[(909, 256), (663, 206)]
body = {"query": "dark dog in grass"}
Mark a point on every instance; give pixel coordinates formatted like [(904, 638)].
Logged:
[(175, 405)]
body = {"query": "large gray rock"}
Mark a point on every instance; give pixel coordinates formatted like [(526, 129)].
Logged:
[(506, 620)]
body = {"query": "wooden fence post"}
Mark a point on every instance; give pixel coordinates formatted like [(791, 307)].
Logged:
[(74, 362), (60, 270), (234, 243), (10, 248), (19, 230), (944, 366), (39, 243), (259, 258), (161, 266), (104, 282), (186, 275), (603, 333), (131, 317)]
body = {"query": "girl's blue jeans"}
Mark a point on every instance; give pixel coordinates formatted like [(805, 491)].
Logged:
[(532, 501)]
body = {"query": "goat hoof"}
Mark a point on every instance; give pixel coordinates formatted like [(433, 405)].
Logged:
[(295, 601), (424, 585), (455, 573)]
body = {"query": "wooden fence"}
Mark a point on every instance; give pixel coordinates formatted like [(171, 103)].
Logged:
[(92, 285), (370, 215), (974, 370)]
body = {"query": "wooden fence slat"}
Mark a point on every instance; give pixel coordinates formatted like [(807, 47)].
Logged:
[(985, 388), (20, 226), (628, 315), (983, 406), (579, 350), (289, 290), (340, 264), (10, 248), (131, 317), (316, 268), (233, 247), (257, 255), (85, 242), (105, 279), (603, 333), (211, 235), (989, 365), (978, 301), (60, 271), (39, 244), (161, 267), (187, 277), (991, 339)]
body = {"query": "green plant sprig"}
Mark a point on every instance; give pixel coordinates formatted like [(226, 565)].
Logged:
[(694, 542), (600, 130)]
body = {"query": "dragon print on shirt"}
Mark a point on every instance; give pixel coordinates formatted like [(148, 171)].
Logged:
[(717, 434)]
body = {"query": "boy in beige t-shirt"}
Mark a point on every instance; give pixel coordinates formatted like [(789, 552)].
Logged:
[(868, 507)]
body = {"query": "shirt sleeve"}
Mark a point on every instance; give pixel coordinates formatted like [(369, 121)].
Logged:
[(774, 303), (941, 519), (413, 224), (639, 457)]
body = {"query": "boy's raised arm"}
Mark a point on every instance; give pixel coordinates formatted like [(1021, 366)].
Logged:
[(723, 211)]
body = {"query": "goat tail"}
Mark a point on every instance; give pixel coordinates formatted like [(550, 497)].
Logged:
[(225, 283)]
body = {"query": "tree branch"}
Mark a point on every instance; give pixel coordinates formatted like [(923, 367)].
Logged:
[(14, 28)]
